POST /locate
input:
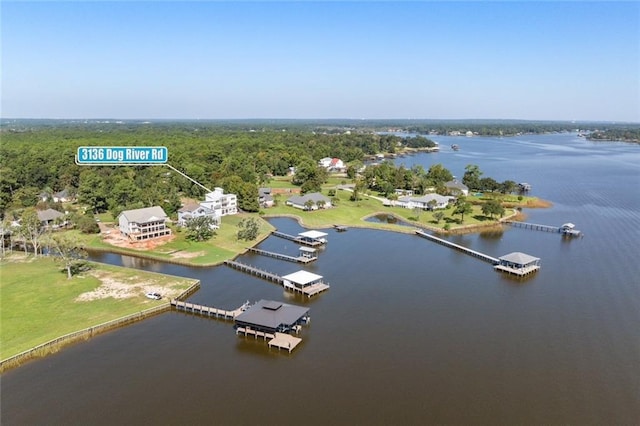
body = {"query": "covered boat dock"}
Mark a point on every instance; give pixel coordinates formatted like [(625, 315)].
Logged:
[(304, 282), (518, 263)]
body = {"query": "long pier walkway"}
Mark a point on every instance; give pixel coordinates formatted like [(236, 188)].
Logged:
[(566, 229), (534, 226), (299, 259), (208, 311), (257, 272), (310, 243), (481, 256)]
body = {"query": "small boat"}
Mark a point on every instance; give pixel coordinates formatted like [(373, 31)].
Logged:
[(455, 147)]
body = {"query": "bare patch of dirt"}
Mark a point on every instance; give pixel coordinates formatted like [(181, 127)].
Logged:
[(122, 288), (114, 237), (186, 254)]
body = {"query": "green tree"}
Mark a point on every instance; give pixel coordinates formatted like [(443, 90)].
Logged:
[(248, 229), (31, 228), (492, 207), (438, 216), (308, 205), (471, 176), (68, 250), (462, 207), (200, 228)]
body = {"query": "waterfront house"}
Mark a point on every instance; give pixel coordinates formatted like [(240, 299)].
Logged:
[(311, 201), (223, 204), (144, 224), (425, 202), (62, 196), (457, 188), (193, 210), (272, 317)]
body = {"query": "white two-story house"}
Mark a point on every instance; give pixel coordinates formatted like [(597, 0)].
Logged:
[(144, 224)]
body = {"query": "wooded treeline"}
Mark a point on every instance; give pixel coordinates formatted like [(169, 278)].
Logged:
[(42, 159)]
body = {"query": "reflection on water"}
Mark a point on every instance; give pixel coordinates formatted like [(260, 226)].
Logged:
[(410, 332), (388, 218)]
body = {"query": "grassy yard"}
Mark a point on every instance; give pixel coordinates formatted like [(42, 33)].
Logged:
[(352, 213), (224, 245), (40, 304)]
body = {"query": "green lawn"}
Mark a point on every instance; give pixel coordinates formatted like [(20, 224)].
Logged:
[(39, 302), (224, 245), (352, 213)]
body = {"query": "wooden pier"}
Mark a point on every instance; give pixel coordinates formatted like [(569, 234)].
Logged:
[(308, 290), (278, 340), (208, 311), (299, 259), (566, 229), (481, 256), (299, 240), (256, 272), (533, 226)]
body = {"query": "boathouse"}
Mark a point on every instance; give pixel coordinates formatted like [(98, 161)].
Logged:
[(308, 253), (304, 282), (272, 317), (313, 237), (569, 229), (518, 263)]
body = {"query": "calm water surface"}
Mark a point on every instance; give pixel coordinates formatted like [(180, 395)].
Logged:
[(409, 333)]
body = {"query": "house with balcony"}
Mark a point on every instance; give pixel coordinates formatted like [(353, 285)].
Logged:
[(144, 224), (219, 202), (192, 210)]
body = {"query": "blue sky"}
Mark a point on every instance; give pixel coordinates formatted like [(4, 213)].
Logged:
[(549, 60)]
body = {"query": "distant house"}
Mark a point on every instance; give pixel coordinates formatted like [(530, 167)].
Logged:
[(194, 210), (332, 164), (302, 201), (265, 199), (425, 202), (223, 204), (457, 187), (49, 217), (62, 197), (144, 224), (407, 192)]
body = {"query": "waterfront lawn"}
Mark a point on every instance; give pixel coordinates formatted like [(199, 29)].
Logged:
[(224, 245), (39, 302), (352, 213)]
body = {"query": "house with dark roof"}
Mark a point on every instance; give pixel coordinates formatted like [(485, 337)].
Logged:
[(265, 199), (311, 201), (144, 224), (49, 217)]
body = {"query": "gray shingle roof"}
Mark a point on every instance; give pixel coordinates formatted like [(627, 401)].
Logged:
[(519, 258), (147, 214), (313, 196), (48, 215)]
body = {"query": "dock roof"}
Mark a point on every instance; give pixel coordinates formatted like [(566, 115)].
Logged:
[(302, 277), (313, 234), (271, 314), (519, 258), (307, 249)]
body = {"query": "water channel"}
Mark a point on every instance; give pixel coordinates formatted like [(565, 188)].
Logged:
[(410, 332)]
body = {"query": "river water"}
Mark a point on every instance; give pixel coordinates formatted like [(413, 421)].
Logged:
[(410, 332)]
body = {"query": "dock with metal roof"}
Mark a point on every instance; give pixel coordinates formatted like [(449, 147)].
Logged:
[(302, 281), (567, 229), (308, 238)]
